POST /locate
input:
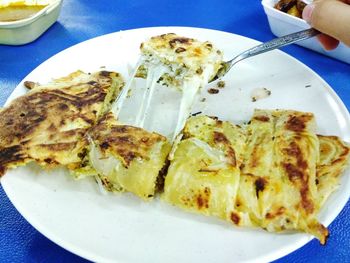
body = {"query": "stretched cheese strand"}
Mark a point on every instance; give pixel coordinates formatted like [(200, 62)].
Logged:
[(117, 105), (189, 91), (154, 73)]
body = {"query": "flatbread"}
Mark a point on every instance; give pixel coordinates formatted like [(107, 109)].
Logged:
[(47, 125), (281, 174), (127, 158)]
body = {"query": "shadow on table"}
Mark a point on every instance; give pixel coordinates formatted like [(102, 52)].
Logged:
[(61, 37)]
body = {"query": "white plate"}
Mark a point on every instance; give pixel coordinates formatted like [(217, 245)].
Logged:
[(121, 228)]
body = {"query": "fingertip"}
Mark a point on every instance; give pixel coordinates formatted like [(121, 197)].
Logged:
[(307, 12), (328, 43)]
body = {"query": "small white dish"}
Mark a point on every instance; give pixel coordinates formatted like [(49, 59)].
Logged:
[(283, 24), (24, 31)]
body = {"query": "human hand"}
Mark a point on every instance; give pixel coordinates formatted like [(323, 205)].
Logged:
[(332, 18)]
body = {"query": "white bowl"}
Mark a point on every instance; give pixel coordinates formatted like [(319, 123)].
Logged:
[(27, 30), (282, 24)]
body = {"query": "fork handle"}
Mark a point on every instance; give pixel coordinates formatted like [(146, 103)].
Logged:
[(279, 42)]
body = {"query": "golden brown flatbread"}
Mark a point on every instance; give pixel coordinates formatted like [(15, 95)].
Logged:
[(48, 124)]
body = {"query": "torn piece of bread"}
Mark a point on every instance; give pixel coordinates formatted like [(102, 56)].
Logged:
[(283, 171), (181, 62), (282, 152), (182, 58), (204, 174), (127, 158), (334, 158), (47, 125)]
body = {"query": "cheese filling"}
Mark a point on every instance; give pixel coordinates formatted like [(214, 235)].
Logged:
[(190, 89), (183, 64), (178, 78), (154, 73)]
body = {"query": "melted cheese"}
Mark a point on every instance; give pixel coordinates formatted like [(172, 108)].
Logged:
[(119, 102), (189, 92), (127, 158), (105, 167), (180, 62), (154, 74)]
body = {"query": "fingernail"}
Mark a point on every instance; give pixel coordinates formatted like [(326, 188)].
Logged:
[(307, 12)]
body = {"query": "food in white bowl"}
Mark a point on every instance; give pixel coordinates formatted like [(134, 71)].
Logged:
[(282, 23)]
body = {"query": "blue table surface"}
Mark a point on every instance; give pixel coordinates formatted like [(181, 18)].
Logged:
[(82, 20)]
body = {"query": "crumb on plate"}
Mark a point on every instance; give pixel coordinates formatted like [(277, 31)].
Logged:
[(260, 93), (213, 91), (221, 84)]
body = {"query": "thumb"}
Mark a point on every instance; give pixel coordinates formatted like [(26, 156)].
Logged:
[(331, 17)]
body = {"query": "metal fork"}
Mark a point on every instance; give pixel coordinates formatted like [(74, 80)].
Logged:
[(265, 47)]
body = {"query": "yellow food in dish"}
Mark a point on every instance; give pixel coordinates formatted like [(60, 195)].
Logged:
[(16, 12), (291, 7)]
